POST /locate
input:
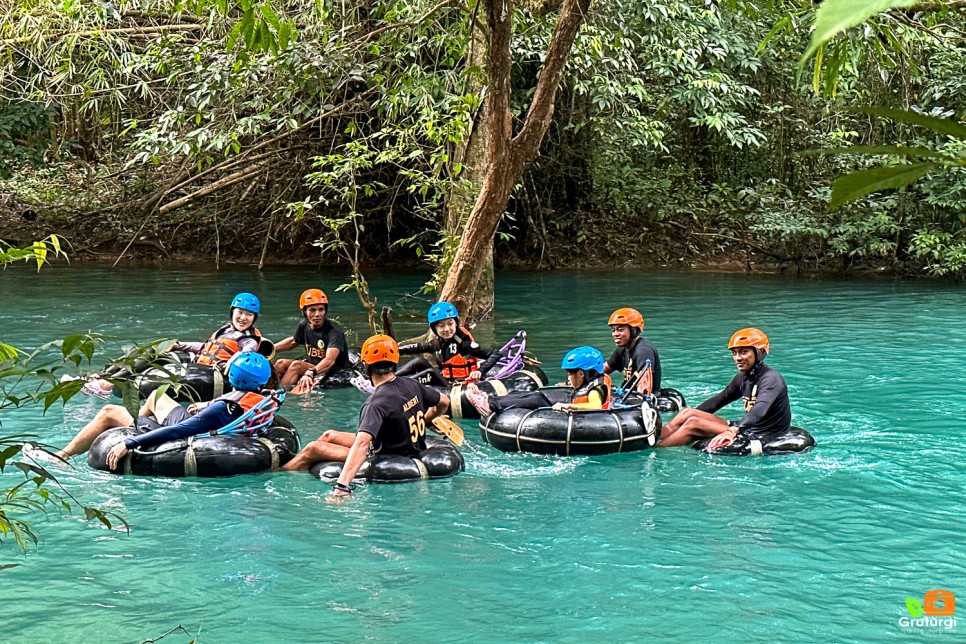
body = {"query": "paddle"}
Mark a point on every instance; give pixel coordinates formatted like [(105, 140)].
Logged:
[(449, 429)]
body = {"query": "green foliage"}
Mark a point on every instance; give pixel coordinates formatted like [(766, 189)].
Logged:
[(38, 252), (23, 125), (835, 16)]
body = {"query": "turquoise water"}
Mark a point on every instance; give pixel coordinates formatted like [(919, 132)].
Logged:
[(673, 544)]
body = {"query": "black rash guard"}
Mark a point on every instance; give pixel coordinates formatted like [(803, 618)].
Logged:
[(630, 360), (395, 416), (460, 344), (767, 409)]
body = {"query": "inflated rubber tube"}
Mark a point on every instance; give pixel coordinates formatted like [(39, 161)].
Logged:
[(204, 455), (207, 382), (562, 433), (530, 378), (439, 460), (670, 401), (795, 441)]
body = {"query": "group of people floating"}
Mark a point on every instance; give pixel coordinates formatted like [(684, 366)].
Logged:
[(403, 403)]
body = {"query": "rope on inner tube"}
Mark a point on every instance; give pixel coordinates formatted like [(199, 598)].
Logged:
[(456, 401), (498, 387), (218, 381), (127, 462), (272, 449), (532, 376), (755, 446), (570, 429), (423, 472), (520, 427), (190, 462), (620, 431)]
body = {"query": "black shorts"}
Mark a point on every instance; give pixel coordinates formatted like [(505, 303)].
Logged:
[(176, 415)]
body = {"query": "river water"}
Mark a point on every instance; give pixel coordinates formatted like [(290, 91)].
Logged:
[(824, 546)]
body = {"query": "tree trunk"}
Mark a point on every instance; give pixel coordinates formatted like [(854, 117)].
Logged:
[(470, 155), (507, 155)]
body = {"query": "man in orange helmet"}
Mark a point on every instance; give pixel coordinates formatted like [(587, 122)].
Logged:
[(392, 421), (324, 341), (634, 356), (763, 390)]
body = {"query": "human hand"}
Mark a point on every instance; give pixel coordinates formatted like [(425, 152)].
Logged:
[(560, 406), (475, 375), (194, 408), (723, 439), (305, 384), (114, 457)]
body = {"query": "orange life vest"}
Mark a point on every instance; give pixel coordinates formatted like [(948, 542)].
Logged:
[(602, 381), (223, 344), (248, 400), (459, 367)]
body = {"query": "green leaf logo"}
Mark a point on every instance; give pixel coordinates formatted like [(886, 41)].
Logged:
[(914, 607)]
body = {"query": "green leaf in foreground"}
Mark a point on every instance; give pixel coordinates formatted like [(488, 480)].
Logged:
[(864, 182), (835, 16)]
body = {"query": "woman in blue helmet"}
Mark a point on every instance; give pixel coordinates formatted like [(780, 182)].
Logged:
[(457, 353), (585, 373), (252, 377), (238, 335)]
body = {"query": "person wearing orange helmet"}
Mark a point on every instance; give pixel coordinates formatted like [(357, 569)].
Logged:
[(761, 388), (324, 341), (634, 356), (392, 421)]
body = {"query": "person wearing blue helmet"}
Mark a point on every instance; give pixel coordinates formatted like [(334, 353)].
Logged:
[(458, 355), (585, 374), (254, 380), (163, 412), (238, 335)]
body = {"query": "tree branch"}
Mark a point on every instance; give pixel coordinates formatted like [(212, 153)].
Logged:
[(526, 144)]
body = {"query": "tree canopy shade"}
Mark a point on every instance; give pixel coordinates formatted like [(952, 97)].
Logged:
[(291, 131)]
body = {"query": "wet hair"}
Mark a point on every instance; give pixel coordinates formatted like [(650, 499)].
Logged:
[(380, 368)]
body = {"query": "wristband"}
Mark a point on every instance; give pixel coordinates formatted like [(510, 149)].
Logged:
[(342, 488)]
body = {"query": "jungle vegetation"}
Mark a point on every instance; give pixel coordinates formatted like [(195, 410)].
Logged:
[(272, 130)]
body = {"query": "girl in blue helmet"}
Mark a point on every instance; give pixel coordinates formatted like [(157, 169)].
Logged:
[(458, 355), (254, 380), (163, 412), (585, 373), (238, 335)]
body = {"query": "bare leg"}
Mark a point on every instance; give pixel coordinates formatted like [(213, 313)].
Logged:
[(290, 371), (158, 406), (109, 417), (331, 446), (691, 425)]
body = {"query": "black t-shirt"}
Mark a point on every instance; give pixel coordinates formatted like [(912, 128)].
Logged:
[(395, 416), (765, 396), (317, 341), (631, 360)]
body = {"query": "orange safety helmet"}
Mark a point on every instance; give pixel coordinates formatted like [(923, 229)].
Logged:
[(380, 348), (630, 317), (750, 337), (313, 296)]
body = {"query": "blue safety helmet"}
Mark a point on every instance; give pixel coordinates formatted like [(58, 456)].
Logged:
[(441, 311), (248, 371), (246, 301), (586, 358)]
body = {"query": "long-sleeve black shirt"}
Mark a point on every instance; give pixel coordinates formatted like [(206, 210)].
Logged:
[(765, 395)]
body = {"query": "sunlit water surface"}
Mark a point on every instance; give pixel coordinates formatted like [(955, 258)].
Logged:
[(824, 546)]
